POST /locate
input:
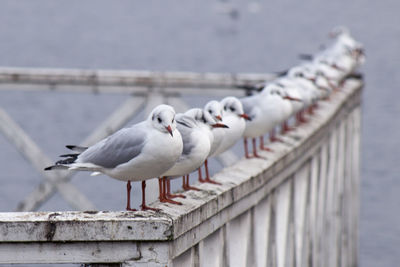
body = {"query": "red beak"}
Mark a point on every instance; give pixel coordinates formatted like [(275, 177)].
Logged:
[(218, 118), (311, 79), (292, 98), (336, 67), (245, 116), (219, 125), (169, 130)]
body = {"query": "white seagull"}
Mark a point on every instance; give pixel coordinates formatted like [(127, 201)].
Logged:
[(235, 118), (195, 127), (205, 118), (140, 152)]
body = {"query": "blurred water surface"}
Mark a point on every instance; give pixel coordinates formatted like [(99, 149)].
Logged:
[(208, 35)]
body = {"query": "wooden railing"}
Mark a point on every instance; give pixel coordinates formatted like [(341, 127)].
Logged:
[(299, 207)]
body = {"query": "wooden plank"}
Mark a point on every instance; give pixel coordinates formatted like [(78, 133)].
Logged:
[(31, 151), (328, 251), (238, 241), (127, 78), (86, 252), (186, 259), (83, 226), (261, 231), (211, 250), (319, 222), (355, 194), (46, 189), (290, 250), (300, 204), (314, 183), (282, 221)]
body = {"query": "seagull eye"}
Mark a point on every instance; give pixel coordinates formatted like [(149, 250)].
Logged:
[(210, 111), (232, 109), (159, 120), (173, 120)]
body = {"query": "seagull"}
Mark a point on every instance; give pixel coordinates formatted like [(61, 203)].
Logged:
[(203, 116), (266, 110), (196, 139), (140, 152), (235, 118), (290, 89)]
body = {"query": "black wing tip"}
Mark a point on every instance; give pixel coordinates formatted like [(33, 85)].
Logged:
[(69, 155), (307, 57), (281, 73), (358, 76), (70, 147), (49, 168)]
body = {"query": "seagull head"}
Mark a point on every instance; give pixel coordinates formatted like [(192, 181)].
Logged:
[(339, 30), (163, 119), (215, 109), (233, 105), (205, 118)]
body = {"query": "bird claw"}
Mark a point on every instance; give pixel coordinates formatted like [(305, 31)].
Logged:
[(276, 139), (167, 200), (175, 195), (208, 180), (188, 187), (129, 209), (266, 149), (145, 207)]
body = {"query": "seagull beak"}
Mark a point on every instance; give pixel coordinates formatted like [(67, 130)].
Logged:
[(219, 118), (292, 98), (336, 67), (169, 129), (219, 125), (245, 116), (312, 79)]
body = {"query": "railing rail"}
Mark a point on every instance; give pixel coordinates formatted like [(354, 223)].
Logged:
[(125, 81), (146, 90), (297, 208)]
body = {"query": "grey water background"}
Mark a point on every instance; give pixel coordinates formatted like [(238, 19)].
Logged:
[(204, 36)]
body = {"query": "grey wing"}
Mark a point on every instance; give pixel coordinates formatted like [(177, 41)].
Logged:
[(117, 149), (185, 125), (248, 105)]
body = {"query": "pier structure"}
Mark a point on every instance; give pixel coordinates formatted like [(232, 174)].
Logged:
[(298, 207)]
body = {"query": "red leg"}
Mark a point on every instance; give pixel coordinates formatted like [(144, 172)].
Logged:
[(262, 147), (208, 180), (201, 180), (169, 195), (310, 110), (186, 185), (183, 181), (254, 141), (246, 149), (206, 167), (165, 198), (286, 128), (273, 138), (128, 192), (161, 189), (300, 118), (144, 206)]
